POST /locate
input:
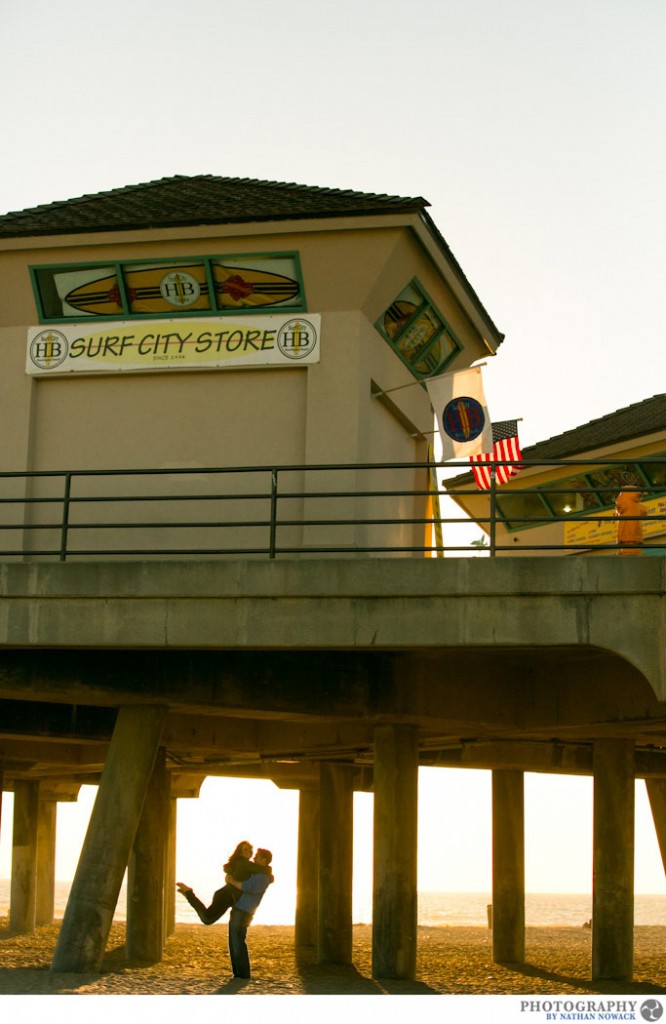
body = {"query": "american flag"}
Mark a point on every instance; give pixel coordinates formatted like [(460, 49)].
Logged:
[(505, 446)]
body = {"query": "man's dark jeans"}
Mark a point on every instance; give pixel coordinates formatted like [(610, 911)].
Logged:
[(239, 922)]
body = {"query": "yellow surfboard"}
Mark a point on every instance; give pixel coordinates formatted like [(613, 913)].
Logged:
[(240, 287), (164, 289)]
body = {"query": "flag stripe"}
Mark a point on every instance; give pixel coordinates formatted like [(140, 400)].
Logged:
[(506, 448)]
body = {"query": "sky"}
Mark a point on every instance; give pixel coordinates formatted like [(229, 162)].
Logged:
[(535, 129)]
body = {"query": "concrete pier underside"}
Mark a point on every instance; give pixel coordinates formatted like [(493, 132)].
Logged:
[(513, 665)]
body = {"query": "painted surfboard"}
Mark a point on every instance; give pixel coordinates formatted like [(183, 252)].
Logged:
[(416, 338), (238, 287), (163, 289)]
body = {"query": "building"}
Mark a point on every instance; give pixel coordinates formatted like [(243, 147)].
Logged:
[(563, 499), (192, 323), (194, 329)]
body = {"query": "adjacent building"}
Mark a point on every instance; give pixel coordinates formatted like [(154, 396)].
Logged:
[(562, 500)]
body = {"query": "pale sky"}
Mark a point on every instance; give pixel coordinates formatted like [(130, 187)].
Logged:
[(535, 128)]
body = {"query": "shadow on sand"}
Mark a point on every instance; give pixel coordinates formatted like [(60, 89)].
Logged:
[(603, 987)]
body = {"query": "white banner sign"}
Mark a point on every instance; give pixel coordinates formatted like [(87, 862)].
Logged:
[(136, 346)]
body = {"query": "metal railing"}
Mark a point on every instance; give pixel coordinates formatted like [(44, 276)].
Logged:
[(269, 511)]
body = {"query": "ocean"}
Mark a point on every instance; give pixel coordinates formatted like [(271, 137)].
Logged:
[(434, 908)]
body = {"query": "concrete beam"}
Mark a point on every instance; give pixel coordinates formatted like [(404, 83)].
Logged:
[(656, 790), (553, 757), (394, 904), (513, 690), (109, 839), (170, 869), (46, 857), (42, 753), (307, 878), (508, 812), (342, 604), (184, 786), (613, 861), (146, 912), (336, 829), (23, 891)]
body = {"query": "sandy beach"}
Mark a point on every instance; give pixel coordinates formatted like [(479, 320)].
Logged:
[(451, 960)]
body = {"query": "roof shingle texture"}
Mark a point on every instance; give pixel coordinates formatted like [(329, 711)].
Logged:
[(635, 420), (201, 199)]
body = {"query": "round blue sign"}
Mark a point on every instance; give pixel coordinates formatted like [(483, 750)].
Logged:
[(463, 419)]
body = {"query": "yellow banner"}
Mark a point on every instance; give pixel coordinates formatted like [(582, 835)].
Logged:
[(135, 346), (604, 529)]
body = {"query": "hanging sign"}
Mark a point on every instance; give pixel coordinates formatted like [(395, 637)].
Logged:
[(136, 346)]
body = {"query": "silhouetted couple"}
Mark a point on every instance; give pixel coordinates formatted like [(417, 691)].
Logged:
[(246, 882)]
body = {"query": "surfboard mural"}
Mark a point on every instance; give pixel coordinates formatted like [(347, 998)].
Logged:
[(166, 288), (412, 341), (415, 329)]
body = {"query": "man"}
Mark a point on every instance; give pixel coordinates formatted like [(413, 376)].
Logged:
[(242, 912)]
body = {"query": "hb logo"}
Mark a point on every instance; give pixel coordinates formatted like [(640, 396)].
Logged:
[(49, 349), (297, 338), (180, 289)]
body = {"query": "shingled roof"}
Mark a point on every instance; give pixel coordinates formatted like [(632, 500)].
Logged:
[(637, 420), (201, 199)]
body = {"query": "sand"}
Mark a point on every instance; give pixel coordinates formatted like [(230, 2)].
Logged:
[(450, 961)]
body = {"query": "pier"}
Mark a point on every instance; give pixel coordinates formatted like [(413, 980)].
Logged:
[(146, 677)]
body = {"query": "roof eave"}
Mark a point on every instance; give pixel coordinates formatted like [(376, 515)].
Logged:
[(461, 286), (158, 223)]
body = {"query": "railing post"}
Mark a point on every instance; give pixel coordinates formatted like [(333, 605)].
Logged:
[(274, 486), (493, 512), (65, 517)]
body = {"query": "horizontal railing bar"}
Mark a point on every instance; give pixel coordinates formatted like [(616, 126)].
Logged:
[(235, 523), (164, 526), (300, 495), (597, 500), (323, 467)]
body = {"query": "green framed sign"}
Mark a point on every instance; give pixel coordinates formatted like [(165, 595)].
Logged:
[(185, 286)]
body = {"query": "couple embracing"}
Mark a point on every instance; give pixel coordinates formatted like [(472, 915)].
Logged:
[(246, 882)]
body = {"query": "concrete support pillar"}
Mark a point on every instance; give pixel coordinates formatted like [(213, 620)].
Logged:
[(23, 892), (307, 879), (46, 855), (145, 934), (656, 791), (2, 787), (170, 871), (394, 901), (508, 866), (613, 860), (113, 825), (336, 830)]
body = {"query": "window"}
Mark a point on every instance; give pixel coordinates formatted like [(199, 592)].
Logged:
[(581, 495), (523, 506), (655, 474), (417, 332), (615, 478), (198, 286), (566, 497)]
